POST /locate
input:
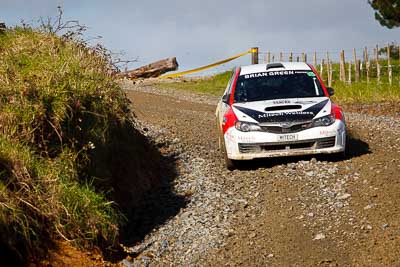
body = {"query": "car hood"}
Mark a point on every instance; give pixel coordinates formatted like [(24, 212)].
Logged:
[(283, 110)]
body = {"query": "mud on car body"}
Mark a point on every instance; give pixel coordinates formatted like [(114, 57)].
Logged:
[(278, 109)]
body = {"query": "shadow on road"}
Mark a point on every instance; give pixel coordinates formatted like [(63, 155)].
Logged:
[(355, 148), (141, 178), (158, 205)]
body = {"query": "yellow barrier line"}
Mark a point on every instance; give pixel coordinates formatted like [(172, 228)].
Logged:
[(206, 67)]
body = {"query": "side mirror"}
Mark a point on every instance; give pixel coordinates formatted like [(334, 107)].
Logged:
[(225, 98), (331, 91)]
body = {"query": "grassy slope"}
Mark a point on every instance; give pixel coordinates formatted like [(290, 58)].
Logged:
[(63, 122), (345, 93)]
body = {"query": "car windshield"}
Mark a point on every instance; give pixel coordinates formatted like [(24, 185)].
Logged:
[(277, 85)]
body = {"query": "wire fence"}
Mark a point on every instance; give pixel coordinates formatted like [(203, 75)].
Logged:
[(378, 64)]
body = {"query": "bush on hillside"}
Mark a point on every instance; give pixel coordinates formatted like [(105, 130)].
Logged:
[(63, 121)]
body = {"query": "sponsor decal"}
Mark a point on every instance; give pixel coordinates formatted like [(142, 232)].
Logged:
[(230, 136), (246, 139), (305, 115), (279, 114), (327, 132), (268, 73), (311, 74), (280, 102)]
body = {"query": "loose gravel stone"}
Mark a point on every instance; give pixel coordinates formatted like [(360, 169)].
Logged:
[(269, 206)]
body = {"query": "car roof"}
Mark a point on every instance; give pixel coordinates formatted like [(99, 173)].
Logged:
[(275, 67)]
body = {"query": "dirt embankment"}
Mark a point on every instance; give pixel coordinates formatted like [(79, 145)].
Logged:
[(301, 211)]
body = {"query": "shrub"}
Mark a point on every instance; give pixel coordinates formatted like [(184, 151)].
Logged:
[(60, 109)]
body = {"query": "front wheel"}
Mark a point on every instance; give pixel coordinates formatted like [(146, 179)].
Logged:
[(229, 163)]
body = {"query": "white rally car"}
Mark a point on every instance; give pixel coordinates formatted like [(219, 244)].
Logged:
[(278, 109)]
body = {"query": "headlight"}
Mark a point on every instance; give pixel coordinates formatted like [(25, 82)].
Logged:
[(324, 121), (247, 126)]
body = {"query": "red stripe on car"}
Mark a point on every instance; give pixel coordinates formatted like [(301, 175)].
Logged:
[(337, 111), (232, 96), (228, 120)]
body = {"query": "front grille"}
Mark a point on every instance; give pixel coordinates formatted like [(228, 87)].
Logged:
[(278, 129), (277, 146), (326, 142)]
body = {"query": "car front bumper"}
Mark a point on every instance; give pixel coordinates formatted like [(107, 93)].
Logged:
[(250, 145)]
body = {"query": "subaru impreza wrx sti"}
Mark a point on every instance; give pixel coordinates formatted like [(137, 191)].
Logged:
[(278, 109)]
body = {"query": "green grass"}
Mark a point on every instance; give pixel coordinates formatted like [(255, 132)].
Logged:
[(366, 92), (213, 85), (61, 116)]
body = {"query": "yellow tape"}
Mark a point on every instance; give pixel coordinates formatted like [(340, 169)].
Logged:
[(207, 67)]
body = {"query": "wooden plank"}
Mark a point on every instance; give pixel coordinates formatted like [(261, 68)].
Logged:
[(154, 69)]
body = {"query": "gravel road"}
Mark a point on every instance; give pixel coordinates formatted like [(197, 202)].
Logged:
[(300, 211)]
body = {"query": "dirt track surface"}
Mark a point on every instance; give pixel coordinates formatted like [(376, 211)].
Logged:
[(301, 211)]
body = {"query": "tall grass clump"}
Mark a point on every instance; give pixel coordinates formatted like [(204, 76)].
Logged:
[(63, 122)]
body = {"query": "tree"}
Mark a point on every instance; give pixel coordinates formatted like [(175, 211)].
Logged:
[(394, 51), (387, 12)]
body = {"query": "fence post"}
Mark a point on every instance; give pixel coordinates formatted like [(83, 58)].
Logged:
[(321, 69), (367, 63), (328, 69), (389, 66), (265, 58), (378, 67), (342, 67), (349, 72), (254, 55), (356, 67), (315, 59)]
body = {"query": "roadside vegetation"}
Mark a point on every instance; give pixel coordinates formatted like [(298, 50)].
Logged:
[(344, 92), (71, 159), (214, 85)]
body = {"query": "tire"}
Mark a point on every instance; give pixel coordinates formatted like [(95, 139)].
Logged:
[(229, 163)]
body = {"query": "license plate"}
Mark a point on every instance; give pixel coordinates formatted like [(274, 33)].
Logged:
[(287, 137)]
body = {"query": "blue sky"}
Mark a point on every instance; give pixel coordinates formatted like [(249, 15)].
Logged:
[(201, 32)]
